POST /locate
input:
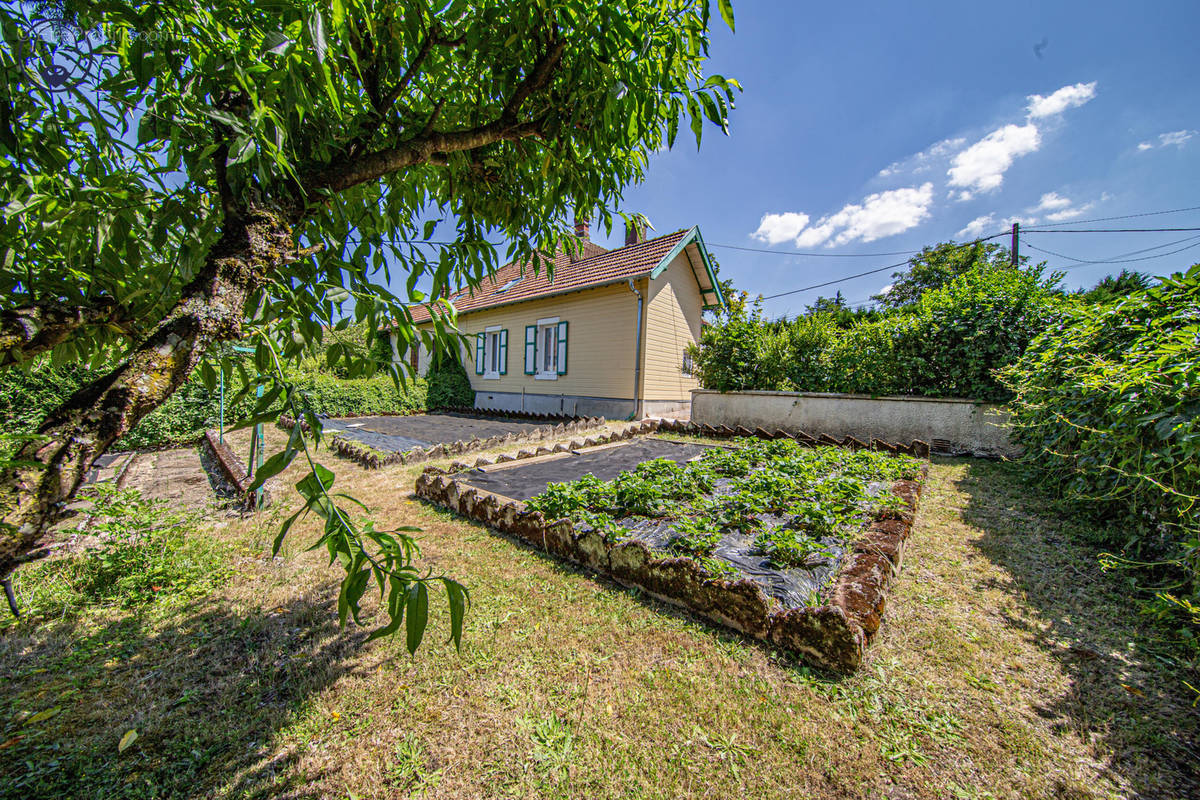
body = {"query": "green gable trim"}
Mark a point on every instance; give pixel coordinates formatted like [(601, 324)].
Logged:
[(693, 236)]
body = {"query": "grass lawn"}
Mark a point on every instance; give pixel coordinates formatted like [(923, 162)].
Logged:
[(1008, 666)]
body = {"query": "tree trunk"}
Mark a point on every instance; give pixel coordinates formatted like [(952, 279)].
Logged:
[(210, 309)]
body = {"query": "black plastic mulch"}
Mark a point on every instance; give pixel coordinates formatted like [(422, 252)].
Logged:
[(792, 587), (397, 434), (524, 481)]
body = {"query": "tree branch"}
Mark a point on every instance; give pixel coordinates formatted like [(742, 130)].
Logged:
[(27, 331), (48, 470), (431, 147)]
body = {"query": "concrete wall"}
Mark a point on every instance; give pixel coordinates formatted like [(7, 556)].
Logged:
[(950, 426), (569, 404)]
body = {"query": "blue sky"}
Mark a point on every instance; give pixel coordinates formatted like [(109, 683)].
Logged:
[(881, 127)]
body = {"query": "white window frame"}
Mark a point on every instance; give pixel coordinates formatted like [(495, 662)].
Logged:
[(544, 326), (491, 353)]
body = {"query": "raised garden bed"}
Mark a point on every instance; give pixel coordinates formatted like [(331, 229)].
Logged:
[(785, 540), (381, 440)]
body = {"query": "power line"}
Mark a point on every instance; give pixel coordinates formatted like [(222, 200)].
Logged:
[(813, 255), (1121, 261), (1113, 259), (831, 283), (874, 271), (1124, 216), (1110, 230)]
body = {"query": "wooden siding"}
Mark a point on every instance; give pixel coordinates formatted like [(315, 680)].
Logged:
[(673, 319), (600, 342)]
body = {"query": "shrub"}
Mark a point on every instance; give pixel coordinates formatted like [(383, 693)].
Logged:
[(1107, 406), (449, 386), (336, 397), (148, 554), (980, 322), (947, 344), (28, 397)]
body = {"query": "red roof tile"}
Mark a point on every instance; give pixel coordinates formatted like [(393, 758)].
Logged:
[(598, 267)]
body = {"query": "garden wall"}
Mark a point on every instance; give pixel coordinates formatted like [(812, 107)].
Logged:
[(959, 427)]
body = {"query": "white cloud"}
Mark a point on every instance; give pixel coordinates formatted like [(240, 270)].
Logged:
[(878, 215), (981, 166), (1177, 138), (977, 226), (1060, 101), (1070, 213), (1052, 201), (776, 228), (924, 160)]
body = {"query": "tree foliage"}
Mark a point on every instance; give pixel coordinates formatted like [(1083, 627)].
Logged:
[(949, 343), (936, 266), (1107, 405), (263, 172)]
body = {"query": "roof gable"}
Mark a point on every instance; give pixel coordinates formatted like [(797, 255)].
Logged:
[(517, 282)]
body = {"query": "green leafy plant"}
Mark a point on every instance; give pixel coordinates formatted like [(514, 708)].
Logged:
[(789, 547), (449, 386), (950, 329), (147, 553), (1107, 407), (695, 536)]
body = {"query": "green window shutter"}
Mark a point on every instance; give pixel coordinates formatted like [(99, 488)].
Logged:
[(562, 348), (530, 349), (504, 351), (480, 352)]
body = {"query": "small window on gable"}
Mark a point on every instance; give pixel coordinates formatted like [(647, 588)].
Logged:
[(689, 366), (510, 284)]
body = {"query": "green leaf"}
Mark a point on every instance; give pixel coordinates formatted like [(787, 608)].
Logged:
[(417, 615), (726, 7), (459, 600), (316, 483)]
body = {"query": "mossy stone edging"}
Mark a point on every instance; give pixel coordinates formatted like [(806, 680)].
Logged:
[(370, 458), (916, 447), (833, 635)]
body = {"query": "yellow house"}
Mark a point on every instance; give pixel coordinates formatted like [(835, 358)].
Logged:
[(604, 334)]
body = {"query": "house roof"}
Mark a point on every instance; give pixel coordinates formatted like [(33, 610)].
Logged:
[(517, 282)]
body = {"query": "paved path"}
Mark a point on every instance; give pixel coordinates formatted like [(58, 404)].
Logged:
[(176, 476)]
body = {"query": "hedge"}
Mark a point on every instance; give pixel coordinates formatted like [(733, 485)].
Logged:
[(1107, 406), (27, 397), (948, 344)]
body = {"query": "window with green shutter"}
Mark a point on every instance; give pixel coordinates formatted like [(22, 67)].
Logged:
[(549, 349), (530, 349), (480, 353), (562, 348)]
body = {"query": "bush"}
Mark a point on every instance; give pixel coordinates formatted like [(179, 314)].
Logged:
[(28, 397), (148, 554), (1107, 406), (948, 344), (336, 397), (448, 384)]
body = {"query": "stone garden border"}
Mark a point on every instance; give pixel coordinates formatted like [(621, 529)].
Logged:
[(370, 458), (833, 635)]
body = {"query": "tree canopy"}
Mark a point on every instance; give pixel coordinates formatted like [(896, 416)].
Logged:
[(225, 170), (937, 265)]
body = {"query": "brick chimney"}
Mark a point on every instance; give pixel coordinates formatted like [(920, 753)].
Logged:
[(635, 229), (582, 231)]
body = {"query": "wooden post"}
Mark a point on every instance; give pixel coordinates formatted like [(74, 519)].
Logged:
[(1016, 242)]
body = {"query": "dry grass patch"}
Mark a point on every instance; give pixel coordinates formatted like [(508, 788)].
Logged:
[(999, 672)]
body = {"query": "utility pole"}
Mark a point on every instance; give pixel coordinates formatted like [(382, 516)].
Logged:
[(1016, 241)]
